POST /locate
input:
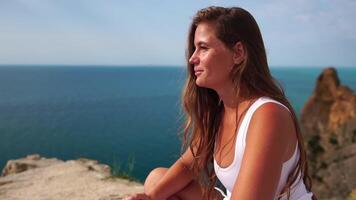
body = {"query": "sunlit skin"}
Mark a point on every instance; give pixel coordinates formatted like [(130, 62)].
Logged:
[(213, 62), (271, 136)]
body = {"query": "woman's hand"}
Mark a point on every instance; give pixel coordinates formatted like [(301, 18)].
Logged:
[(138, 196)]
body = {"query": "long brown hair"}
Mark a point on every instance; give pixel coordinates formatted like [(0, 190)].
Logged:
[(202, 106)]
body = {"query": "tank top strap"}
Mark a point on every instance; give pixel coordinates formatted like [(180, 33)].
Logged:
[(258, 103)]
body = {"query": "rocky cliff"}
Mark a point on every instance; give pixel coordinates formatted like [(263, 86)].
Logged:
[(328, 122), (38, 178)]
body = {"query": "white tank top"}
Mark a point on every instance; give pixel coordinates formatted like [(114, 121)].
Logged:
[(228, 175)]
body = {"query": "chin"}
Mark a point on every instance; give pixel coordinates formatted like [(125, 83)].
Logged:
[(201, 83)]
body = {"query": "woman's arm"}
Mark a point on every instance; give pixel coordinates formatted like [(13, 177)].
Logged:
[(175, 179), (269, 136)]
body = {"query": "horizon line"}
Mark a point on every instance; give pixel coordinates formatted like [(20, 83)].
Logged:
[(160, 65)]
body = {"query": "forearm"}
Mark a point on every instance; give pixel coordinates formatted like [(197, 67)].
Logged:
[(175, 179)]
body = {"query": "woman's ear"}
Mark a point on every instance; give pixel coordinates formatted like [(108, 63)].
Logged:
[(239, 53)]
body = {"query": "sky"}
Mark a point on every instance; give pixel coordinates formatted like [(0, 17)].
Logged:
[(114, 32)]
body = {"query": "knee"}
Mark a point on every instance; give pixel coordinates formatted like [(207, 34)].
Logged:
[(153, 177)]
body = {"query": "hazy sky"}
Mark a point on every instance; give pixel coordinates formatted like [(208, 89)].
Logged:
[(114, 32)]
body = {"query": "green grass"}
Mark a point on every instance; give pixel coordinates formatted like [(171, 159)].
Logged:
[(352, 195), (118, 169)]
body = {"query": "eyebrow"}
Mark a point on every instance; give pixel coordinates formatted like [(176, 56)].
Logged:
[(200, 43)]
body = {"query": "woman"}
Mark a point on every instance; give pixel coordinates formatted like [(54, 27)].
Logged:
[(240, 128)]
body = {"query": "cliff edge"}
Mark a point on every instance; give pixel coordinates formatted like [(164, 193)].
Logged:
[(36, 177)]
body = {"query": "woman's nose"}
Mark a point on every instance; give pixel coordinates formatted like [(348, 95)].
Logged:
[(193, 59)]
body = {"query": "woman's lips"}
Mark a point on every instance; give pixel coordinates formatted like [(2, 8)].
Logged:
[(198, 72)]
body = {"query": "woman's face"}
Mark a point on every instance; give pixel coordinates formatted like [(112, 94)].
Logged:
[(212, 60)]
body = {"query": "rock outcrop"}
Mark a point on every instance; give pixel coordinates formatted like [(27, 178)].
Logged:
[(35, 177), (328, 122)]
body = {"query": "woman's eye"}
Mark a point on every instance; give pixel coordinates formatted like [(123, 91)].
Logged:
[(204, 47)]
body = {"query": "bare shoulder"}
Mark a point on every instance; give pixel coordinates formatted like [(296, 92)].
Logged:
[(271, 111), (269, 134), (274, 114), (272, 124)]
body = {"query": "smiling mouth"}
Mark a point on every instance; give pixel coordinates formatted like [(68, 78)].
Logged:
[(198, 72)]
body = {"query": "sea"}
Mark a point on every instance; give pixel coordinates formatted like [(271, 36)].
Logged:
[(128, 117)]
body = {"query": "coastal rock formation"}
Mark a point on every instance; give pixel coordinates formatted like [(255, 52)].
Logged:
[(30, 162), (328, 122), (35, 177)]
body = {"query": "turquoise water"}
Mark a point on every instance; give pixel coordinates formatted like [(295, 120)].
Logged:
[(109, 113)]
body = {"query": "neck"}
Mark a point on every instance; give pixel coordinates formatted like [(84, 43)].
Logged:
[(228, 95)]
